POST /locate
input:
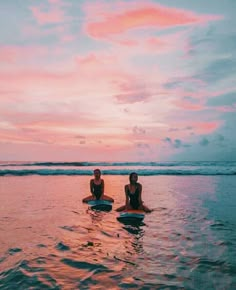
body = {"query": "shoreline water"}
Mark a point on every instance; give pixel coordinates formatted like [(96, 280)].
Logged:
[(51, 240), (118, 168)]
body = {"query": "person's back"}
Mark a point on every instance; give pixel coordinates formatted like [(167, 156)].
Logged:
[(134, 196)]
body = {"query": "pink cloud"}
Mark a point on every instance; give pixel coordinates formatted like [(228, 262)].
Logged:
[(66, 78), (30, 78), (69, 152), (128, 42), (49, 122), (226, 109), (59, 31), (145, 15), (55, 1), (59, 129), (189, 104), (45, 128), (48, 14), (133, 90), (165, 44), (99, 63), (146, 45), (68, 38), (184, 129), (205, 127), (130, 98), (53, 16), (11, 54), (91, 59), (155, 42)]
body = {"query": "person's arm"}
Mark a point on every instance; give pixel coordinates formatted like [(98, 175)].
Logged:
[(140, 194), (126, 197), (91, 188), (102, 187)]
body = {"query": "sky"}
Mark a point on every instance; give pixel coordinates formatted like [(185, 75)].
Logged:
[(117, 80)]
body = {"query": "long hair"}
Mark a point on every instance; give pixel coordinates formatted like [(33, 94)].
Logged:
[(131, 175)]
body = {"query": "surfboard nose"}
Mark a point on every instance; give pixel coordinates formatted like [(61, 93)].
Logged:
[(131, 216), (102, 205)]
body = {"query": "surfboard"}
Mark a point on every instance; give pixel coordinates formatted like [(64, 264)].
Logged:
[(131, 216), (99, 204)]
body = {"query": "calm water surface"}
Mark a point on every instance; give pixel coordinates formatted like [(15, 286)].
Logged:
[(50, 240)]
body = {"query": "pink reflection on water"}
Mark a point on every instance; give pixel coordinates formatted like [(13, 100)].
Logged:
[(44, 223)]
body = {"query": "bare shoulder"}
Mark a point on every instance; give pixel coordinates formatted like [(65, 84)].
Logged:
[(139, 185)]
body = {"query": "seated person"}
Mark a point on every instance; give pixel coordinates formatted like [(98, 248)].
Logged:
[(97, 188), (133, 194)]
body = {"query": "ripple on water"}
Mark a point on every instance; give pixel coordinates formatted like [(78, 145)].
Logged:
[(22, 276), (62, 247), (14, 251), (89, 273), (84, 265)]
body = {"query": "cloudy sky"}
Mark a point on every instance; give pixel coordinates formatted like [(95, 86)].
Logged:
[(117, 80)]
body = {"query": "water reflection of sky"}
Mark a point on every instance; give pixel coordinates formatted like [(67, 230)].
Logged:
[(187, 241)]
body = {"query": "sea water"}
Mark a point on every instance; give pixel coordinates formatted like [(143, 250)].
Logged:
[(51, 240)]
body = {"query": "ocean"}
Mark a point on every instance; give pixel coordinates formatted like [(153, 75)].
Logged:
[(51, 240)]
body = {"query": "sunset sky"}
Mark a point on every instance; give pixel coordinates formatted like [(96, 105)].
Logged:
[(117, 80)]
